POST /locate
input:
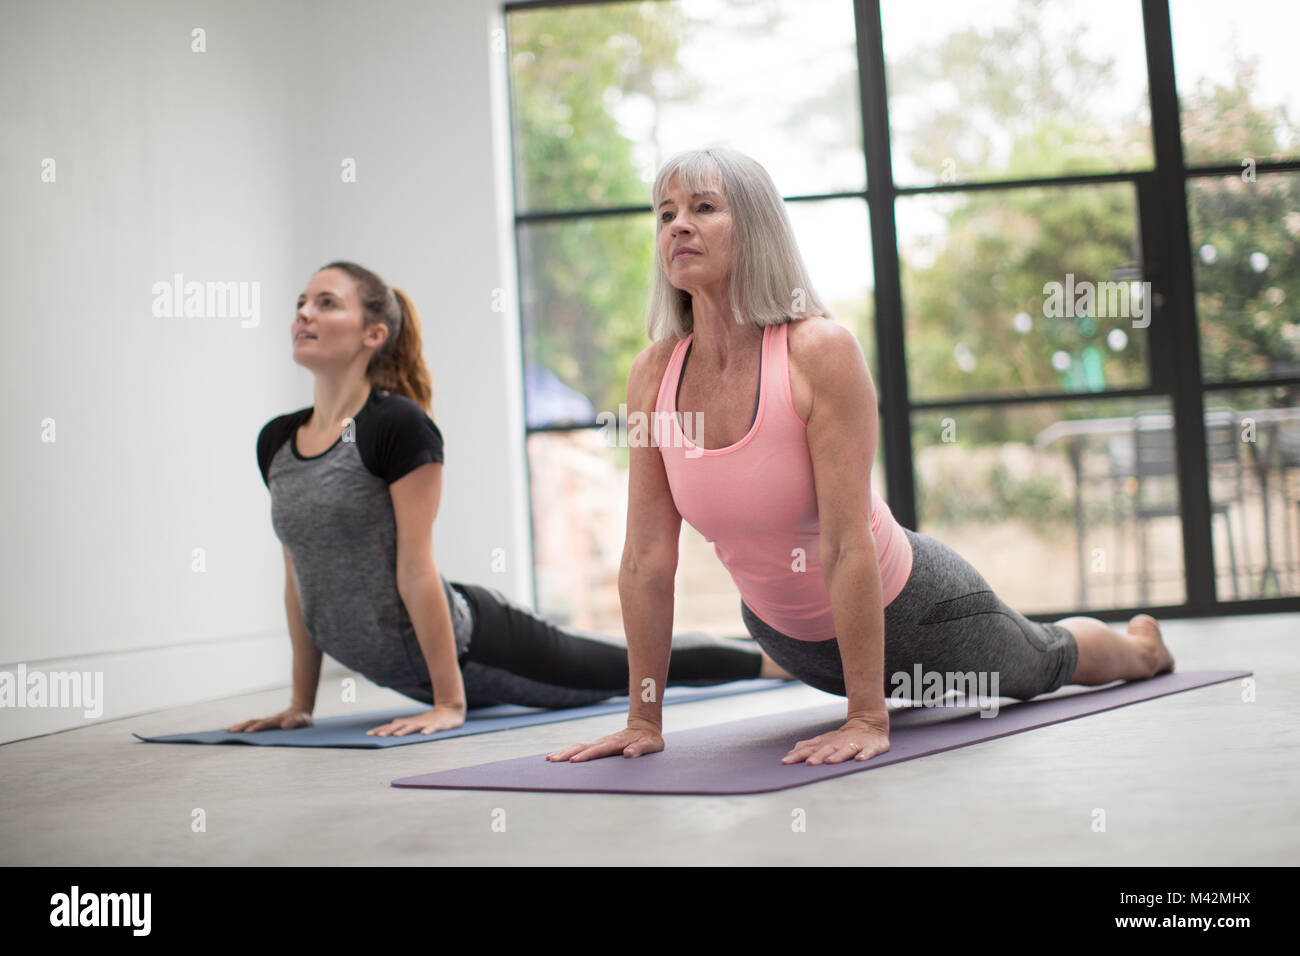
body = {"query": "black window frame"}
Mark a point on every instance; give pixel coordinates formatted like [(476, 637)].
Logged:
[(1173, 355)]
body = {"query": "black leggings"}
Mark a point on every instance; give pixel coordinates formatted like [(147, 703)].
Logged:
[(516, 657)]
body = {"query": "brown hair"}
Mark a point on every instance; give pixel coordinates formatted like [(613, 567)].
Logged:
[(398, 365)]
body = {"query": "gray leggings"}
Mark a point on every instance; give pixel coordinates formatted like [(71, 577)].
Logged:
[(948, 621)]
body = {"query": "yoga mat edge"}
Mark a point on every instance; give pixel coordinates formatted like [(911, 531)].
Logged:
[(347, 731), (907, 743)]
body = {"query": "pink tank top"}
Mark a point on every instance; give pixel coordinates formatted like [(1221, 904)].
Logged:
[(756, 501)]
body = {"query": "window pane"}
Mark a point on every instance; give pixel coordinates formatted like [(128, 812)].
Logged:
[(1253, 447), (586, 288), (835, 241), (834, 238), (1237, 88), (1022, 290), (1246, 237), (603, 94), (579, 498), (1057, 505), (1008, 90)]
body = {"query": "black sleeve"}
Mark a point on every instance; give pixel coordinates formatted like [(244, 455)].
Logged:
[(405, 439), (273, 434)]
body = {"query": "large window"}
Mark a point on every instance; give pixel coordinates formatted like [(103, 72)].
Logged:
[(1239, 107), (982, 194)]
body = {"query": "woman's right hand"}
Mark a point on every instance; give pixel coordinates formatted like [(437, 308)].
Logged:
[(636, 740), (286, 719)]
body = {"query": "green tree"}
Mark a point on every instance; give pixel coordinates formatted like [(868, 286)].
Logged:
[(585, 281), (1245, 232)]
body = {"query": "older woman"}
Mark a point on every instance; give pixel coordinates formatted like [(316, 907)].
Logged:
[(778, 476)]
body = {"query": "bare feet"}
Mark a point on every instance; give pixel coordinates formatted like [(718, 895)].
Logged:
[(1145, 630)]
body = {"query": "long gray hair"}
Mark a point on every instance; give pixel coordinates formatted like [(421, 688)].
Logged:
[(769, 283)]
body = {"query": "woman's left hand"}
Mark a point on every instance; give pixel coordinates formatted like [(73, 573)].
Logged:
[(440, 718), (859, 739)]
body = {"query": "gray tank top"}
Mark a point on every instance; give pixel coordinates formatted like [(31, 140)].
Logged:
[(334, 514)]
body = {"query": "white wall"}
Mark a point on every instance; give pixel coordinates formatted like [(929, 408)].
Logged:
[(225, 166)]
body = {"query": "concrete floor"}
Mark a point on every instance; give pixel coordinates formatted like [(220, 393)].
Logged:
[(1196, 778)]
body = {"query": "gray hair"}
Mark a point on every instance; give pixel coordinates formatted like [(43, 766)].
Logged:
[(769, 283)]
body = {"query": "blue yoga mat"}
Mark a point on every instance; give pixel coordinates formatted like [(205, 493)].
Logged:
[(350, 730), (744, 756)]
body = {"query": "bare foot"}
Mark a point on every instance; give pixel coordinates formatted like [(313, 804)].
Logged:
[(1144, 629)]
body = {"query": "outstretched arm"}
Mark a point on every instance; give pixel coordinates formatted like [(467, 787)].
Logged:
[(306, 666), (416, 496), (646, 577), (645, 580), (842, 430)]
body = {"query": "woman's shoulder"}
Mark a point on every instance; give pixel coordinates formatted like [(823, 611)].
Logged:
[(812, 332), (395, 418), (399, 437), (816, 343), (648, 370), (824, 358), (394, 408), (274, 434), (294, 417), (656, 354)]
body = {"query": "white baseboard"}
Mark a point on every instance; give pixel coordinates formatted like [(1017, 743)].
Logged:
[(138, 682)]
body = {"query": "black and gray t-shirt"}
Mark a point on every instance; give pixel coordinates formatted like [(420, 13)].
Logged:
[(334, 514)]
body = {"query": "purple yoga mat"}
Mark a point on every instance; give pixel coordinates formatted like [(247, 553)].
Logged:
[(744, 756)]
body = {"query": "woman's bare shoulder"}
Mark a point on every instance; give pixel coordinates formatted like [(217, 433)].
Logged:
[(818, 331), (818, 344), (656, 354), (648, 370)]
